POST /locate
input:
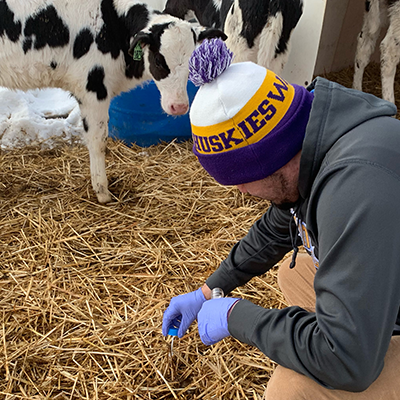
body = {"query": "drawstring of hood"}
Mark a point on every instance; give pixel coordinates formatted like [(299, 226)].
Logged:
[(294, 245), (292, 237)]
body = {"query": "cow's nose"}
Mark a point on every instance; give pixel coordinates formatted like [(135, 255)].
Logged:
[(179, 109)]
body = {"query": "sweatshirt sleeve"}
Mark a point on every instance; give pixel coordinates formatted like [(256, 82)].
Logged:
[(343, 344), (266, 243)]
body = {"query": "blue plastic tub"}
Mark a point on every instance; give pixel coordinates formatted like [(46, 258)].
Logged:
[(137, 117)]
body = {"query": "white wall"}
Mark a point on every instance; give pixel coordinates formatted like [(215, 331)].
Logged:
[(156, 4), (305, 42), (342, 24)]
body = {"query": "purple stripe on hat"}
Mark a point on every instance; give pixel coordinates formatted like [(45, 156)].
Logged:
[(261, 159)]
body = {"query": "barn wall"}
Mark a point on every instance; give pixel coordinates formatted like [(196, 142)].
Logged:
[(342, 24), (305, 42), (156, 4)]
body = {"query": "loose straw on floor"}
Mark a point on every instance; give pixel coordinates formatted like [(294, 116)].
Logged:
[(83, 286)]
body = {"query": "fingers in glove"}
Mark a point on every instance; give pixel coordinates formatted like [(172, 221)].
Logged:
[(169, 315)]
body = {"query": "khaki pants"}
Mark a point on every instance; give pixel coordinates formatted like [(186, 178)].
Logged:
[(297, 286)]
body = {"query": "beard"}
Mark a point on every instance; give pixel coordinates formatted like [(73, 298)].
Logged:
[(287, 202), (285, 205)]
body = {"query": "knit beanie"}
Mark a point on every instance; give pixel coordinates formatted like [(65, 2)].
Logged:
[(246, 121)]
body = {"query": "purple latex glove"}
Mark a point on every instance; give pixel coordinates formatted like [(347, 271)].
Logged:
[(213, 319), (183, 308)]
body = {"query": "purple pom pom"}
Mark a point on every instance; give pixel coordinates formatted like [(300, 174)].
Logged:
[(208, 61)]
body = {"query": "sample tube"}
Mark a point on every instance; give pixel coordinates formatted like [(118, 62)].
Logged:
[(217, 293)]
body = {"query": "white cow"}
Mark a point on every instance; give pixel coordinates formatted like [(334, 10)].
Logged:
[(96, 49), (257, 30), (375, 16)]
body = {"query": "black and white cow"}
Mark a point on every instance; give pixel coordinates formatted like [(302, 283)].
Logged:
[(96, 49), (376, 14), (257, 30)]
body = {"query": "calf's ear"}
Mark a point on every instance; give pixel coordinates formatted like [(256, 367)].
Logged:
[(138, 43), (209, 33)]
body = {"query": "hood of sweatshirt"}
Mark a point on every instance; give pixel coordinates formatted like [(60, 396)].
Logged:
[(335, 111)]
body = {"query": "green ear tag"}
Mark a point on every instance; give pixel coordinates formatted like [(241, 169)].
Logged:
[(137, 52)]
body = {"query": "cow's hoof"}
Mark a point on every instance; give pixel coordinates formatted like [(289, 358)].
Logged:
[(104, 197)]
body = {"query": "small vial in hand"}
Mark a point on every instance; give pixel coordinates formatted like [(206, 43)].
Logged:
[(217, 293)]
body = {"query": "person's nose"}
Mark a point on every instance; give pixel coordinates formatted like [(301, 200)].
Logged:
[(242, 188)]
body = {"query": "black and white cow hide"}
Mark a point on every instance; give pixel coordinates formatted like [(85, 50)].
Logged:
[(95, 49), (257, 30), (376, 15)]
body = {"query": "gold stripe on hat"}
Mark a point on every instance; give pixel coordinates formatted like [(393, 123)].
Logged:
[(255, 120)]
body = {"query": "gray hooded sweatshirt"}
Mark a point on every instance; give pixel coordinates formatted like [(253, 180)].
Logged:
[(350, 206)]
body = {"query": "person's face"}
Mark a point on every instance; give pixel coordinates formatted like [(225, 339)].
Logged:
[(280, 188)]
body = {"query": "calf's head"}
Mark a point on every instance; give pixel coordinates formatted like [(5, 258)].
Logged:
[(165, 47)]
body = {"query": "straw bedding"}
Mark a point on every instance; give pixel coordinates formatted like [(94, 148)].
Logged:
[(83, 286)]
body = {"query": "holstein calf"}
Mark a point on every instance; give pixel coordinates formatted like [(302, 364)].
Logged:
[(96, 49), (375, 16), (257, 30)]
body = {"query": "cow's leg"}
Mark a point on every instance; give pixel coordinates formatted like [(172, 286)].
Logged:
[(269, 54), (236, 42), (390, 53), (241, 51), (95, 123), (278, 62), (366, 40)]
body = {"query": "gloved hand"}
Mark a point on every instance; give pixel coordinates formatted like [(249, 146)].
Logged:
[(184, 308), (212, 319)]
